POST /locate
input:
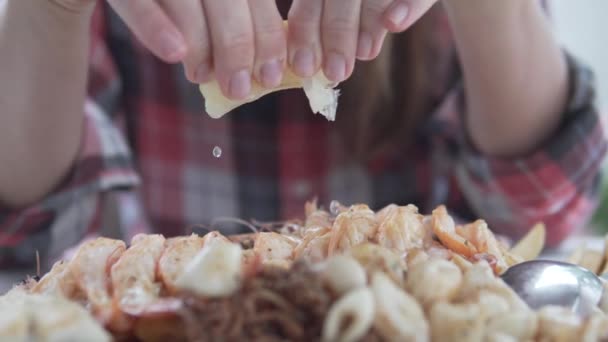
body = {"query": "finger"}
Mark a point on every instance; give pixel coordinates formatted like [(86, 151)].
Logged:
[(339, 33), (371, 28), (270, 42), (190, 20), (402, 14), (304, 37), (152, 27), (231, 31)]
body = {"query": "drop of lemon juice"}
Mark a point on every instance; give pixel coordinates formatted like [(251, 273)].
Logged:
[(334, 207), (217, 151)]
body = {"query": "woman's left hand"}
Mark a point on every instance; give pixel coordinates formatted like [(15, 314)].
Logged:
[(331, 34)]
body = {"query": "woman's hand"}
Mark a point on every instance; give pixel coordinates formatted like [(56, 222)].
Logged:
[(333, 33), (232, 40), (237, 40)]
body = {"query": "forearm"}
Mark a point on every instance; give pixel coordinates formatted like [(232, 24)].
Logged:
[(515, 74), (43, 58)]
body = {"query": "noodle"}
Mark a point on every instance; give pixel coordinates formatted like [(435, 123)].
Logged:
[(274, 305)]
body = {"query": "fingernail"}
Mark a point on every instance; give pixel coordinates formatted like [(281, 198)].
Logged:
[(335, 67), (304, 63), (172, 45), (239, 86), (202, 73), (271, 73), (364, 46), (398, 14)]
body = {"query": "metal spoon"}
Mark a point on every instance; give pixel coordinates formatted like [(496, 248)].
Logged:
[(543, 282)]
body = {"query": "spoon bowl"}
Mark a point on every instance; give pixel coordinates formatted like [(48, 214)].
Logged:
[(543, 282)]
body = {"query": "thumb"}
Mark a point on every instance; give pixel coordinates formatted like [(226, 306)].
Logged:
[(151, 25)]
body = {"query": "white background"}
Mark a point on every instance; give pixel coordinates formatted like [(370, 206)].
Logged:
[(582, 26)]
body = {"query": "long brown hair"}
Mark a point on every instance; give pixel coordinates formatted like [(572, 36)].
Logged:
[(386, 99)]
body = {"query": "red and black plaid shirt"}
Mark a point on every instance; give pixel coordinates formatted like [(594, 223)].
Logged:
[(145, 125)]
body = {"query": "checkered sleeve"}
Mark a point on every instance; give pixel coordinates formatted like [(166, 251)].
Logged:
[(558, 184), (72, 210)]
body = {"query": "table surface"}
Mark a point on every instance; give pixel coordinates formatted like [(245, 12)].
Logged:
[(8, 279)]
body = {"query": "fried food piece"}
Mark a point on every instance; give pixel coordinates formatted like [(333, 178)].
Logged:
[(133, 276), (14, 317), (57, 319), (176, 256), (596, 328), (350, 317), (35, 317), (521, 325), (480, 277), (532, 244), (557, 324), (592, 260), (59, 281), (456, 322), (91, 267), (399, 317), (434, 280), (343, 274), (274, 248), (215, 272), (375, 258)]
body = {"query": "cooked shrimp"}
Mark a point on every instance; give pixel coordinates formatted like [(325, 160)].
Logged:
[(317, 249), (376, 258), (351, 228), (315, 217), (401, 229), (314, 245), (134, 274), (273, 248), (176, 256), (383, 213), (445, 229), (484, 241), (90, 267), (310, 207), (438, 251), (214, 237), (58, 282)]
